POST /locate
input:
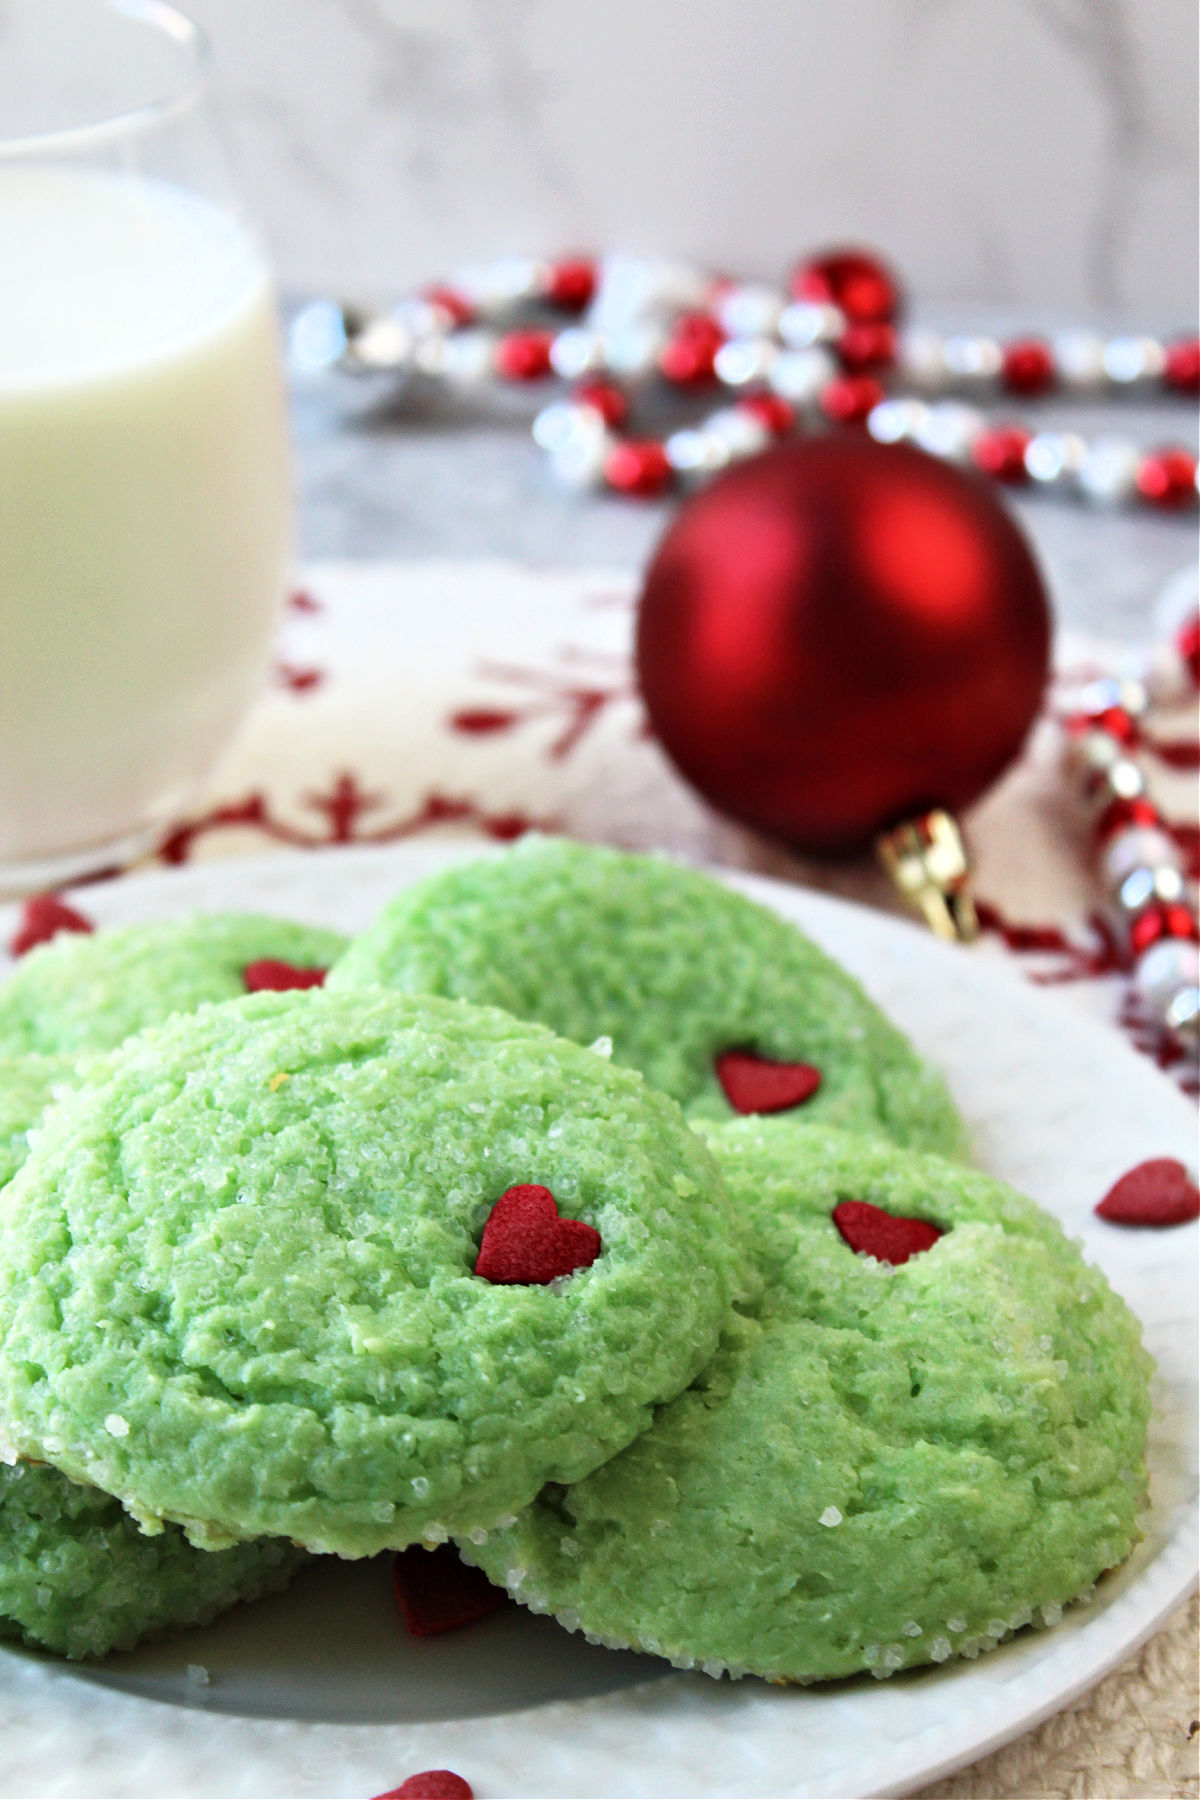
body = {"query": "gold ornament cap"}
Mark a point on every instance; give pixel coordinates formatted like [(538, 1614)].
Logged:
[(928, 861)]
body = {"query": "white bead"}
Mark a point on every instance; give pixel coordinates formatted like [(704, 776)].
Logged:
[(807, 322), (751, 311), (1111, 690), (895, 421), (1140, 847), (494, 289), (972, 358), (1055, 456), (1092, 752), (696, 453), (1182, 1017), (1128, 359), (1141, 886), (1123, 780), (1167, 966), (557, 425), (464, 358), (745, 360), (317, 336), (383, 343), (950, 430), (920, 358), (1109, 471), (799, 375), (422, 318), (633, 353), (576, 352), (1079, 358), (739, 431), (632, 289), (579, 462)]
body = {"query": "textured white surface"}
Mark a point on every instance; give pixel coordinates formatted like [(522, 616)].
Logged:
[(1056, 1104)]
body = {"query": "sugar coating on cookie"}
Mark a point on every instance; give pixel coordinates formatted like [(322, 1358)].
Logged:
[(237, 1280), (882, 1465), (90, 991), (674, 967), (77, 1576), (28, 1084)]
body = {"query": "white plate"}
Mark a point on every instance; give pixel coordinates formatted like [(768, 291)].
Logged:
[(1055, 1103)]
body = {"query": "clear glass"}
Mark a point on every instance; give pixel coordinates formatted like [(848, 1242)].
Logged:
[(145, 514)]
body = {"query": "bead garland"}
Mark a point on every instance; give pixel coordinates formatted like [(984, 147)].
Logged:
[(820, 354), (1141, 868)]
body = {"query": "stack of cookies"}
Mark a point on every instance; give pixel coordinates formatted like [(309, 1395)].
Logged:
[(587, 1215)]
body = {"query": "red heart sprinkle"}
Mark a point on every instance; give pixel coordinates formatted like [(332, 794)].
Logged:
[(1157, 1192), (267, 976), (431, 1784), (882, 1234), (437, 1591), (42, 918), (755, 1084), (525, 1240)]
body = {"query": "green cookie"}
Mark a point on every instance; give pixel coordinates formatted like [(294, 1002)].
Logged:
[(883, 1465), (77, 1576), (671, 965), (27, 1086), (236, 1272), (90, 991)]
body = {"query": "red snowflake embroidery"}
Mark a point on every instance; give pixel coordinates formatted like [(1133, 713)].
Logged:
[(558, 694)]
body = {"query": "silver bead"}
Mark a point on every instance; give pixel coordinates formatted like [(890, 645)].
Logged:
[(1101, 696), (799, 375), (696, 454), (1166, 968), (557, 425), (465, 358), (576, 352), (739, 430), (950, 429), (423, 318), (972, 358), (318, 335), (634, 289), (1182, 1016), (744, 361), (495, 289), (920, 359), (750, 311), (1109, 471), (1129, 359), (1137, 847), (895, 421), (633, 352), (808, 322), (1142, 887), (1079, 359), (1055, 457), (578, 461)]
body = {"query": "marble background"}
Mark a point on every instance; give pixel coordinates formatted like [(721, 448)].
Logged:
[(1038, 154)]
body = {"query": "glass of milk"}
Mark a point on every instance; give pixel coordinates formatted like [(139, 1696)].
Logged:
[(144, 479)]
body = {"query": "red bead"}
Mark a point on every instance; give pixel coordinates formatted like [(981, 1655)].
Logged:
[(1188, 645), (1028, 366), (867, 346), (457, 305), (776, 414), (1162, 921), (638, 467), (1126, 815), (604, 398), (523, 355), (848, 399), (1000, 453), (687, 357), (1167, 477), (1181, 371), (854, 281), (570, 283), (1114, 720)]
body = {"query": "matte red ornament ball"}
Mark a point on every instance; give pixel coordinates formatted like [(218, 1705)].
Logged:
[(856, 281), (838, 635)]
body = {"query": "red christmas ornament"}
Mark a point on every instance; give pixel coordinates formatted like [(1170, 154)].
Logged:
[(840, 635), (1000, 453), (1028, 366)]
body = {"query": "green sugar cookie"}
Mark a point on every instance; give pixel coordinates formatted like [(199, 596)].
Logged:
[(674, 967), (89, 991), (27, 1086), (236, 1271), (77, 1576), (883, 1465)]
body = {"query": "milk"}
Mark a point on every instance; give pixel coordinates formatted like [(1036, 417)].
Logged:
[(144, 507)]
